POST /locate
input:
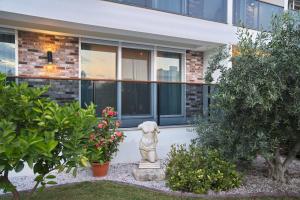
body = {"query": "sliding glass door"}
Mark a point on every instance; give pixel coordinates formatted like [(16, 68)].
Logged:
[(98, 62), (136, 96), (170, 94)]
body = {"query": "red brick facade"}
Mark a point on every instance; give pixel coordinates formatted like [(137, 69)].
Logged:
[(33, 49), (194, 74), (194, 66)]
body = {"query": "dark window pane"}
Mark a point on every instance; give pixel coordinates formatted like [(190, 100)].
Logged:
[(215, 10), (105, 95), (7, 38), (168, 66), (170, 99), (87, 93), (98, 61), (102, 94), (136, 99), (7, 54), (168, 5)]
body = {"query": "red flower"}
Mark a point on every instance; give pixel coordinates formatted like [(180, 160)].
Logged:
[(110, 113), (100, 125), (119, 134), (112, 137)]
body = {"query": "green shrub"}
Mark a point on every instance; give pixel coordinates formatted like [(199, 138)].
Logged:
[(198, 170), (38, 132)]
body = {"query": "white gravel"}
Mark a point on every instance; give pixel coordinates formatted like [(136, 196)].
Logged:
[(254, 180)]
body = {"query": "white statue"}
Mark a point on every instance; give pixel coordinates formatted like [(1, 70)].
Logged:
[(149, 168), (149, 141)]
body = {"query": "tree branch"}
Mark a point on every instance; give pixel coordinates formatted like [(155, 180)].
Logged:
[(4, 178)]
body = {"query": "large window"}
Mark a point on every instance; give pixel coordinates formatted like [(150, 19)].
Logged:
[(98, 62), (254, 14), (213, 10), (7, 53), (170, 94), (136, 96)]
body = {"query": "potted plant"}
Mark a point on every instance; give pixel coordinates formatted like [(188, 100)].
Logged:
[(103, 142)]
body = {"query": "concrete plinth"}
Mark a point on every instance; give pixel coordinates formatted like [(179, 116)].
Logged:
[(148, 174)]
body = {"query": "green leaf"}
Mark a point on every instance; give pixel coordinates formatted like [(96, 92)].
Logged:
[(39, 178), (51, 145), (19, 167), (30, 162), (75, 172), (50, 177), (51, 183)]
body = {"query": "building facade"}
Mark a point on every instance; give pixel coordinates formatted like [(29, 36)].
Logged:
[(146, 58)]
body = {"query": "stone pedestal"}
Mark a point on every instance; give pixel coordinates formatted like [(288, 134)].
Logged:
[(148, 174), (149, 165)]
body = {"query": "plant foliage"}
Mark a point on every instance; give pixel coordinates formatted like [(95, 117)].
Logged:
[(199, 170), (256, 107), (40, 133)]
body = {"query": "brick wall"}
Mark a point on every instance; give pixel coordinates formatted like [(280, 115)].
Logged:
[(194, 66), (32, 51), (194, 92)]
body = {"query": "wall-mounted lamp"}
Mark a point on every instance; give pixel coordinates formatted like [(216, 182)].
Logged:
[(49, 57)]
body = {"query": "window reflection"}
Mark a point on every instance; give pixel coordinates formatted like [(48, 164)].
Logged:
[(254, 14), (170, 94), (168, 66), (7, 54), (215, 10), (98, 61)]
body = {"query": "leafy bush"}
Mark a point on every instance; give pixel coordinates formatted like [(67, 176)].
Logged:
[(199, 170), (38, 132)]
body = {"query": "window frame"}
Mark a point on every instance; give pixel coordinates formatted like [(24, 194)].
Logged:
[(152, 92), (132, 120)]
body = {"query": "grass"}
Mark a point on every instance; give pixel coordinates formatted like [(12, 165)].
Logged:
[(105, 190)]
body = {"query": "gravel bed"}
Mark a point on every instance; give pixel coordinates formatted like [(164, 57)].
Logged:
[(254, 180)]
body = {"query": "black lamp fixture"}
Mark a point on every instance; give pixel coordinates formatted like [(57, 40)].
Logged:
[(49, 57)]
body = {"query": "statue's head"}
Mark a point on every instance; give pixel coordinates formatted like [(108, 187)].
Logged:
[(149, 127)]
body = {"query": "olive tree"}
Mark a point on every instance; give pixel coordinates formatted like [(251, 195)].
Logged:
[(40, 133), (256, 104)]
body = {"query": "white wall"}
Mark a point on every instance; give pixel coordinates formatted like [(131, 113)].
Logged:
[(108, 17), (129, 149)]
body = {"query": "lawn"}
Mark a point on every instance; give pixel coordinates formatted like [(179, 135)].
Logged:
[(104, 190)]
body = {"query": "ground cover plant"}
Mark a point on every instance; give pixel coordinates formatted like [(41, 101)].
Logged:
[(104, 190)]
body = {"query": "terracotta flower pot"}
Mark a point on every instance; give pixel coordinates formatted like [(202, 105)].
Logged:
[(100, 170)]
